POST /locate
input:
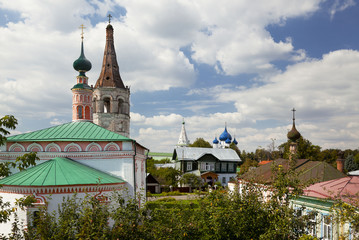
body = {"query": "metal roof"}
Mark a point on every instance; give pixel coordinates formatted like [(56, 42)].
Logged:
[(316, 171), (60, 172), (346, 188), (73, 131), (194, 153)]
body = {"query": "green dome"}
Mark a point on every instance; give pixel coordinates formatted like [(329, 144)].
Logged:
[(82, 64), (293, 134)]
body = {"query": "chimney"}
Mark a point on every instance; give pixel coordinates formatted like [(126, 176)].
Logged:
[(340, 161), (340, 164)]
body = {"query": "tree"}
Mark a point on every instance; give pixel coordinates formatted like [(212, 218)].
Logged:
[(235, 148), (21, 163), (200, 142), (305, 149), (167, 176), (191, 180), (350, 164)]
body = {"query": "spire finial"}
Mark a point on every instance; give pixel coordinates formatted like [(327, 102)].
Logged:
[(183, 121), (82, 27), (109, 18), (293, 110)]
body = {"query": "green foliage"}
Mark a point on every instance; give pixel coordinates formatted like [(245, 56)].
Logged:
[(167, 176), (350, 164), (235, 148), (248, 162), (201, 143), (6, 122), (305, 149), (191, 180)]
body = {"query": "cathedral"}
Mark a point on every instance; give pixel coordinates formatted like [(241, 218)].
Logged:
[(93, 154)]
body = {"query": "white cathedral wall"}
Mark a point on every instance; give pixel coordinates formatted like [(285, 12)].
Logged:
[(122, 168)]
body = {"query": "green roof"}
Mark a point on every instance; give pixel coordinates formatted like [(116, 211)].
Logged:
[(73, 131), (81, 86), (59, 172)]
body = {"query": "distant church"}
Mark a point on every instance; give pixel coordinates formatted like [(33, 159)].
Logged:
[(93, 154)]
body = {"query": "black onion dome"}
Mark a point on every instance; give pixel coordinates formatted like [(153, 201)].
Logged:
[(293, 134), (82, 64)]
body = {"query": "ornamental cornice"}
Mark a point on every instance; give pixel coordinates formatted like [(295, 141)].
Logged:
[(61, 189)]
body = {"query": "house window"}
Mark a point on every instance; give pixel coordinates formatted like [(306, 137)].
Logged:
[(207, 166), (223, 180), (218, 167), (327, 228), (312, 224), (230, 167), (189, 166), (224, 167)]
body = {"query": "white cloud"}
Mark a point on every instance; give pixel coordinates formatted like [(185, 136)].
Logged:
[(340, 5)]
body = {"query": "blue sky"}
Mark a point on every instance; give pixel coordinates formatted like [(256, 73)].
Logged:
[(246, 63)]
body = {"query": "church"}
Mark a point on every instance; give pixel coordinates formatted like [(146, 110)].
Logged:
[(92, 154)]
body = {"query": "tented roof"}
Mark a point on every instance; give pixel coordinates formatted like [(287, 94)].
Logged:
[(60, 172)]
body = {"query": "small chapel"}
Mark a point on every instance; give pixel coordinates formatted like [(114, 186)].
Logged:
[(93, 154)]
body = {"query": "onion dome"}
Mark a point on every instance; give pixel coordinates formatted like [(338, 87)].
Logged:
[(235, 141), (228, 141), (82, 65), (215, 141), (293, 134), (225, 135)]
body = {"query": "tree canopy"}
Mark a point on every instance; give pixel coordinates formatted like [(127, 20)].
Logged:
[(201, 143)]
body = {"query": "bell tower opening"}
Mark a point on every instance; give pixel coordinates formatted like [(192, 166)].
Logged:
[(107, 105)]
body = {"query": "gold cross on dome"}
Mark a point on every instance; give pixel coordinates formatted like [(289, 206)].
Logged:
[(82, 30), (109, 18)]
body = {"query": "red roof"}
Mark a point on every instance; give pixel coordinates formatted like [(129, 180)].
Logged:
[(264, 162), (346, 189)]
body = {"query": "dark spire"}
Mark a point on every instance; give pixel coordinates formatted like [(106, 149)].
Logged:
[(293, 134), (81, 64), (110, 73)]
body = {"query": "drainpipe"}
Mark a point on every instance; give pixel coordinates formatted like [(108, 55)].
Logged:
[(134, 167)]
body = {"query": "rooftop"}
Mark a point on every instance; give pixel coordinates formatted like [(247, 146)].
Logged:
[(60, 172), (73, 131)]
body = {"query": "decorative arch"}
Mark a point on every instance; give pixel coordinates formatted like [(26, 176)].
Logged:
[(93, 147), (16, 147), (52, 147), (35, 147), (72, 147), (112, 147)]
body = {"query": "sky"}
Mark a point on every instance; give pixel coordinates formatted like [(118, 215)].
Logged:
[(242, 63)]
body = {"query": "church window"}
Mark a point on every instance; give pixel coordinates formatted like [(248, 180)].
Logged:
[(87, 112), (120, 106), (107, 105), (79, 112), (77, 98), (81, 98)]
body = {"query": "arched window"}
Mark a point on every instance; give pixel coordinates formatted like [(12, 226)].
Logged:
[(87, 112), (79, 112), (107, 105), (120, 106)]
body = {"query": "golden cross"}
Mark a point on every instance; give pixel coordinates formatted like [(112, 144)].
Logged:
[(82, 31), (109, 18)]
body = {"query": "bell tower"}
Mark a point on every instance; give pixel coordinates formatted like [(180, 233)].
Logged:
[(81, 91), (111, 99)]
